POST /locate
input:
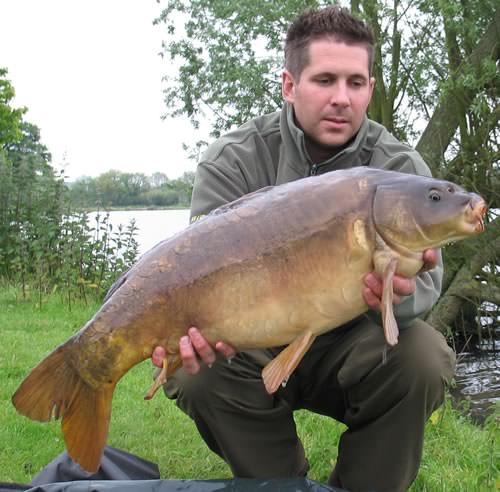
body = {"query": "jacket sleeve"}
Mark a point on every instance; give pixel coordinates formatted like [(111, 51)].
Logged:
[(394, 155), (215, 184), (426, 294)]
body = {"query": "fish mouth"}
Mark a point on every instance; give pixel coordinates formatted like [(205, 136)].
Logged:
[(476, 211)]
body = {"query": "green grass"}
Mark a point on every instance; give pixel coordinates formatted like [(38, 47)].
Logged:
[(458, 456)]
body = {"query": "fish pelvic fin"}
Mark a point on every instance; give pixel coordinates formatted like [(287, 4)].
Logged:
[(54, 390), (391, 330), (281, 367)]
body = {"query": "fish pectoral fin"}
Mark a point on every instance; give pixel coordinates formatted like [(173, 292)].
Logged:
[(389, 323), (159, 381), (282, 366)]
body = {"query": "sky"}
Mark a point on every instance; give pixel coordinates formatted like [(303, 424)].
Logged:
[(90, 74)]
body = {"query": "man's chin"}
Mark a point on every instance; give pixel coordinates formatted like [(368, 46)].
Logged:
[(333, 142)]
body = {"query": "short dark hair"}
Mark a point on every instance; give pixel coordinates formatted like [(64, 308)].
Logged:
[(332, 22)]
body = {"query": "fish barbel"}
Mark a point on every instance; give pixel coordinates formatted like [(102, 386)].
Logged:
[(279, 266)]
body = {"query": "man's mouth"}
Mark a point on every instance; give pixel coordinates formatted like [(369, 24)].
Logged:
[(336, 120)]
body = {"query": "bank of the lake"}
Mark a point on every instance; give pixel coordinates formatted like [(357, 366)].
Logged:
[(458, 456)]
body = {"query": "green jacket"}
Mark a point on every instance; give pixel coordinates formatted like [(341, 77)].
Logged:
[(269, 150)]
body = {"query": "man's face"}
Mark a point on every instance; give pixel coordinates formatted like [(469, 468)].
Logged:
[(331, 97)]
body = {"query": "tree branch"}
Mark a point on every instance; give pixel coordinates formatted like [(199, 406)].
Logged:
[(463, 285), (444, 122), (477, 290)]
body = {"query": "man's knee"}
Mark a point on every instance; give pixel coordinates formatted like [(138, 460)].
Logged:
[(426, 363), (415, 370), (425, 351)]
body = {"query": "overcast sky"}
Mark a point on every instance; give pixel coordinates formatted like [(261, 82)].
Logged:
[(90, 74)]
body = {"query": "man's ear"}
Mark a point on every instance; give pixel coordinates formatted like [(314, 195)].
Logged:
[(372, 86), (288, 87)]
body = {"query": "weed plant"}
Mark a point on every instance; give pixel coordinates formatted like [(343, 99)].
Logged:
[(78, 257), (45, 245)]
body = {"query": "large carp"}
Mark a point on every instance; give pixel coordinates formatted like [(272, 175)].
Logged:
[(277, 267)]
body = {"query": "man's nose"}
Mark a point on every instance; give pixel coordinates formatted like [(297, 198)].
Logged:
[(340, 94)]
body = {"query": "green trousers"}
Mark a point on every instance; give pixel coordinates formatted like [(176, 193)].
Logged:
[(384, 397)]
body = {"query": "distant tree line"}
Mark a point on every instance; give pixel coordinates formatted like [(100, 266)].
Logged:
[(119, 189)]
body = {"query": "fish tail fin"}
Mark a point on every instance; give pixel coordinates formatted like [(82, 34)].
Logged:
[(54, 389), (85, 425)]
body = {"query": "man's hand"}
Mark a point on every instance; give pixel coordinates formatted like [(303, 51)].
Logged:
[(194, 348), (372, 292)]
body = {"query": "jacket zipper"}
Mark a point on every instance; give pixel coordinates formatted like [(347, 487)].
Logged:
[(314, 170)]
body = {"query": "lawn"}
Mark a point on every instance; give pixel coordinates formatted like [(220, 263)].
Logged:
[(458, 456)]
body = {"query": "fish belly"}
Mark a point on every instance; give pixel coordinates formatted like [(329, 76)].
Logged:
[(269, 302)]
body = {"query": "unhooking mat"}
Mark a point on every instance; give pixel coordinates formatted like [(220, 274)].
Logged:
[(122, 471)]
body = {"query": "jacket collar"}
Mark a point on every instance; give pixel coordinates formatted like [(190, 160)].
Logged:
[(295, 162)]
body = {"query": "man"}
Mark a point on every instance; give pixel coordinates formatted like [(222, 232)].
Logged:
[(327, 86)]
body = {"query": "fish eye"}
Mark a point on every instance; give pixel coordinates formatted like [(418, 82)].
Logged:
[(434, 196)]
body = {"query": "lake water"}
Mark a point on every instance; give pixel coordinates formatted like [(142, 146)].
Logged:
[(153, 225), (477, 382), (477, 373)]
